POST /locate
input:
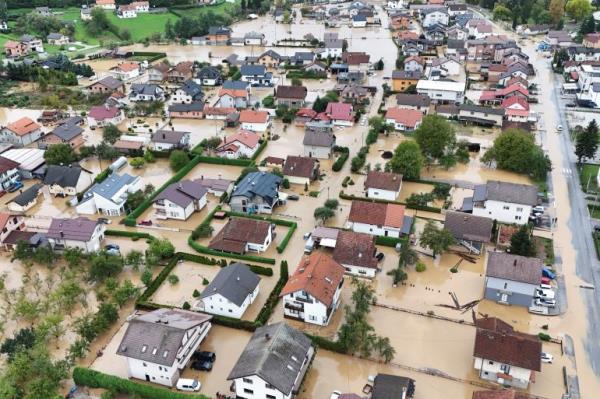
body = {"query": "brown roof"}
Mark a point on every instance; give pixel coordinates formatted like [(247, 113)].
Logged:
[(494, 324), (234, 236), (465, 226), (7, 164), (355, 58), (357, 249), (508, 347), (499, 394), (384, 181), (391, 215), (514, 267), (128, 144), (295, 92), (23, 126), (319, 275), (299, 166)]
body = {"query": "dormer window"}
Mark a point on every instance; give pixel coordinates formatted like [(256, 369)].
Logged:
[(165, 354), (144, 348), (154, 351)]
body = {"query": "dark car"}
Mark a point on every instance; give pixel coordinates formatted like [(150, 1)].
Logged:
[(205, 356), (111, 246), (17, 185), (201, 365), (380, 256), (293, 197), (145, 223)]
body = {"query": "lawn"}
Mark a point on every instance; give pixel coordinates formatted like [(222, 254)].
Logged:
[(587, 176), (144, 25), (219, 9)]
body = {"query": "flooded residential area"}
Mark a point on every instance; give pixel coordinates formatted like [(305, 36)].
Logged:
[(324, 199)]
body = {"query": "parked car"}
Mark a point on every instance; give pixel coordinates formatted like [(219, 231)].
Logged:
[(547, 357), (559, 128), (293, 197), (548, 273), (546, 280), (545, 286), (201, 365), (335, 395), (104, 221), (145, 223), (205, 356), (549, 303), (112, 246), (540, 293), (538, 208), (306, 236), (15, 186), (380, 256), (188, 384)]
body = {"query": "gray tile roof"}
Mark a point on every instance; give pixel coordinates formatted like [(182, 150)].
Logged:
[(388, 386), (209, 72), (64, 176), (251, 70), (67, 131), (234, 282), (155, 337), (481, 109), (506, 192), (195, 106), (260, 184), (465, 226), (145, 88), (192, 89), (109, 82), (318, 139), (414, 100), (275, 353), (28, 195), (168, 136), (514, 267), (183, 192), (78, 229), (235, 84), (110, 186)]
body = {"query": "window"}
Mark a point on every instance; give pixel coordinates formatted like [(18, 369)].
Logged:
[(506, 207), (247, 380), (519, 209), (230, 311), (160, 368), (490, 362), (145, 365), (505, 368), (270, 396), (312, 317), (517, 217), (250, 391)]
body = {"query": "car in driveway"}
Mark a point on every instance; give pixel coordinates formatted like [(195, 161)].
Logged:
[(380, 256), (549, 303), (546, 294), (104, 221), (145, 223), (547, 357), (15, 186), (335, 395), (201, 365), (205, 356)]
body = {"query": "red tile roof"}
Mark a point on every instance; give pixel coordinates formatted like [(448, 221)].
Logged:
[(317, 274), (101, 112), (383, 181), (233, 93), (250, 116), (234, 236), (249, 139), (23, 126), (339, 111), (408, 117), (374, 213), (306, 113)]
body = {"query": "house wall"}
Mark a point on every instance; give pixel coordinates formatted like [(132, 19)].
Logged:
[(8, 178), (243, 150), (402, 84), (359, 271), (254, 387), (443, 96), (489, 370), (187, 115), (13, 223), (260, 246), (435, 17), (255, 127), (298, 180), (217, 304), (383, 194), (504, 211), (14, 207), (317, 152), (8, 136), (509, 292), (163, 146), (496, 119), (375, 230), (93, 245), (240, 203), (314, 311)]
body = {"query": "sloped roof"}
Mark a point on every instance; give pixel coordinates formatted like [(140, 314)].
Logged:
[(408, 117), (506, 192), (28, 195), (234, 282), (234, 236), (23, 126), (109, 82), (465, 226), (168, 136), (7, 164), (318, 275), (67, 131), (64, 176), (318, 139), (383, 180), (250, 116), (375, 213), (294, 92), (78, 229), (275, 353), (299, 166), (183, 192), (261, 184), (357, 249), (514, 267)]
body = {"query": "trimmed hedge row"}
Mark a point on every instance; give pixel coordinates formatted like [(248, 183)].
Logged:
[(225, 161), (156, 283), (267, 310), (238, 324), (344, 155), (286, 240), (279, 222), (205, 250), (382, 201), (259, 150), (388, 241), (102, 175), (95, 379), (153, 55), (130, 220), (131, 234), (327, 344)]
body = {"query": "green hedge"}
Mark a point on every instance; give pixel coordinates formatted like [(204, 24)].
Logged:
[(234, 323), (205, 250), (198, 259), (291, 74), (95, 379), (264, 271), (156, 283), (225, 161), (153, 56), (273, 299), (279, 222), (286, 240), (260, 149), (132, 234), (344, 155), (382, 201), (130, 220), (103, 175), (388, 241), (327, 344)]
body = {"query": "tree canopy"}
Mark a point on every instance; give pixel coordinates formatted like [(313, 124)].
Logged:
[(407, 159), (57, 154), (436, 239), (177, 160), (435, 136), (586, 142)]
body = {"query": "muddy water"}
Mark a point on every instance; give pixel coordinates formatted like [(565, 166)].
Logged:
[(9, 115)]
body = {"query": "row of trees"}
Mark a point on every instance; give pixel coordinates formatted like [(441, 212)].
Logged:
[(537, 11), (40, 25), (44, 77)]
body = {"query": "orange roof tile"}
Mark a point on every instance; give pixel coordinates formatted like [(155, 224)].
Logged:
[(23, 126), (233, 93), (408, 117), (250, 116)]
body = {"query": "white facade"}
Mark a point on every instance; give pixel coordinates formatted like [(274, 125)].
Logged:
[(113, 206), (8, 136), (435, 17), (359, 24), (313, 311), (92, 122), (118, 73), (412, 66), (395, 4), (375, 230), (259, 388), (442, 91), (383, 194), (489, 370), (168, 375), (317, 152), (505, 212), (452, 67), (359, 271), (400, 126), (92, 245), (8, 178), (256, 126), (127, 13), (166, 209), (219, 305), (85, 180), (181, 97), (260, 246)]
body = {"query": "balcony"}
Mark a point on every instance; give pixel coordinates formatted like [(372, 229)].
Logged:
[(294, 306)]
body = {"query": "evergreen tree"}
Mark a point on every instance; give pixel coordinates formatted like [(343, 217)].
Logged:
[(521, 243), (587, 142)]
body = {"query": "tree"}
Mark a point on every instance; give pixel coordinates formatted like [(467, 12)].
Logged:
[(161, 249), (332, 204), (586, 142), (436, 239), (578, 9), (435, 136), (134, 259), (169, 31), (146, 277), (587, 26), (149, 156), (134, 200), (73, 256), (111, 133), (58, 154), (103, 265), (22, 340), (502, 13), (269, 101), (323, 213), (515, 150), (125, 292), (137, 162), (419, 200), (178, 160), (521, 243), (379, 65), (407, 160), (556, 10)]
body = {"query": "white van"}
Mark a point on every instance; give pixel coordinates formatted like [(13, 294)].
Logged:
[(188, 384)]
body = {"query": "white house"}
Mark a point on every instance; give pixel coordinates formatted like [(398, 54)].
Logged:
[(159, 344), (383, 185), (180, 200), (434, 16), (273, 364), (25, 200), (504, 202), (242, 144), (232, 98), (359, 21), (67, 180), (446, 66), (378, 219), (356, 252), (187, 93), (318, 144), (146, 92), (414, 64), (80, 233), (168, 140), (403, 119), (141, 6), (21, 132), (255, 121), (312, 293), (127, 11), (126, 70), (230, 293), (504, 356), (241, 235), (480, 115), (109, 197), (106, 4), (442, 91)]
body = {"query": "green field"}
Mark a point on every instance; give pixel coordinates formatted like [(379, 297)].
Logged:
[(144, 25), (587, 175), (219, 9)]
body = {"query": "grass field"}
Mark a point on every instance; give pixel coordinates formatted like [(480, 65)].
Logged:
[(144, 25), (587, 174), (219, 9)]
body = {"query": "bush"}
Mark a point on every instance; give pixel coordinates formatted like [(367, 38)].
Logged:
[(273, 299), (186, 306), (344, 154), (313, 194), (196, 293), (103, 175), (454, 270), (95, 379), (204, 282), (544, 337), (388, 241), (420, 268), (177, 160), (173, 279), (286, 240)]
